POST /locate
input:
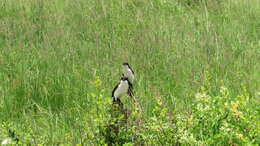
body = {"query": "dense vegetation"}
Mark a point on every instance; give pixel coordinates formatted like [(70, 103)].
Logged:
[(196, 62)]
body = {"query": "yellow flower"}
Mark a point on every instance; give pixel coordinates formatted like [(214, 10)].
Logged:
[(226, 104), (93, 94), (190, 119), (224, 91), (97, 82), (240, 136), (234, 105), (235, 111)]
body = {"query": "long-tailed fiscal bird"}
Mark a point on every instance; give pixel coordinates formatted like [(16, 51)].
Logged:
[(122, 88)]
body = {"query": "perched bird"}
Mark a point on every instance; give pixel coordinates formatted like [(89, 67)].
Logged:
[(128, 72), (123, 87), (11, 139)]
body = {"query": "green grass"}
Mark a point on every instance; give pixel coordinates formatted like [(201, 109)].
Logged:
[(60, 60)]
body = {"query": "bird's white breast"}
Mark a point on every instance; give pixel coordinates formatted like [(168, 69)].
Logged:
[(7, 141), (121, 89), (128, 73)]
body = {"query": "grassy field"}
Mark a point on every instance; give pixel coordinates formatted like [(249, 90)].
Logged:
[(197, 67)]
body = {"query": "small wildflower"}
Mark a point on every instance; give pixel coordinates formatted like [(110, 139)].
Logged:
[(190, 119), (93, 94), (202, 97), (97, 83), (224, 91), (226, 104), (234, 106), (225, 127), (240, 136), (234, 109)]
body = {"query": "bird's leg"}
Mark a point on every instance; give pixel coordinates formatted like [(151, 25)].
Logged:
[(119, 102)]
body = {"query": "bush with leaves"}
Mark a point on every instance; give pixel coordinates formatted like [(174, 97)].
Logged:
[(220, 119)]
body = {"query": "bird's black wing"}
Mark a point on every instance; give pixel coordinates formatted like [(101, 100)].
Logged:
[(130, 89), (131, 69), (113, 92)]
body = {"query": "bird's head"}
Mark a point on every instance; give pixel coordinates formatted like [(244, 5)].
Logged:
[(125, 64), (124, 79)]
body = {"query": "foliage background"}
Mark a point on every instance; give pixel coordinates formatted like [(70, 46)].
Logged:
[(196, 62)]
